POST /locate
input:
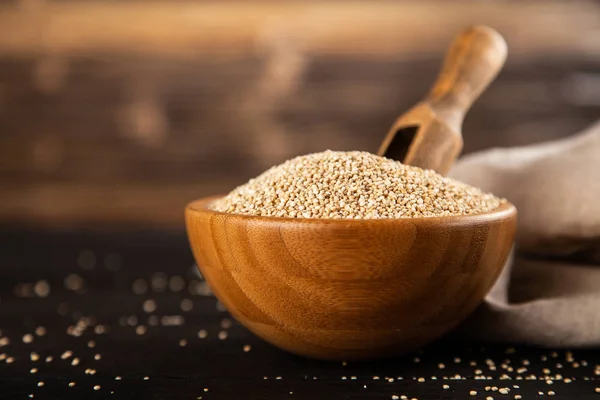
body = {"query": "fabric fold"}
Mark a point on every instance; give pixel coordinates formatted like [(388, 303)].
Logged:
[(540, 298)]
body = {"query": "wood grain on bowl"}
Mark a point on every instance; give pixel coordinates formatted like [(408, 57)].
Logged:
[(350, 289)]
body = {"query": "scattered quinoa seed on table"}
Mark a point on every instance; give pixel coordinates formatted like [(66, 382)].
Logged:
[(353, 185)]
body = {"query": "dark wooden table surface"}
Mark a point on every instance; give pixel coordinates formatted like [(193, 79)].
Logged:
[(124, 315)]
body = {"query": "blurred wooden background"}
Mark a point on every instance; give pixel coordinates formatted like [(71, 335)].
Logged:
[(117, 113)]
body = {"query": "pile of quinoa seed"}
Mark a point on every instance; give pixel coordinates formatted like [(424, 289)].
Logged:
[(354, 185)]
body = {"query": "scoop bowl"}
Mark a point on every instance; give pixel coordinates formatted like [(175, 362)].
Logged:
[(350, 289)]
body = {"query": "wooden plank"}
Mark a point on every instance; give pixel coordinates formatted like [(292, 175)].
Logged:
[(95, 206), (228, 29), (152, 104)]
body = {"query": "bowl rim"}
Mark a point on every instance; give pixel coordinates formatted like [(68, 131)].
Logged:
[(505, 211)]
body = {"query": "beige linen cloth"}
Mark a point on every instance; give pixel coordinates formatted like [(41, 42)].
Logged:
[(549, 292)]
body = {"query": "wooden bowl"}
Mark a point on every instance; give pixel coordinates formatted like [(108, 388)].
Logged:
[(350, 289)]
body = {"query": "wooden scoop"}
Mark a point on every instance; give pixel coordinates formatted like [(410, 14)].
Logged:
[(429, 135)]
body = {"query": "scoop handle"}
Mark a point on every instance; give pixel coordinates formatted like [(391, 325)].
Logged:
[(472, 62)]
